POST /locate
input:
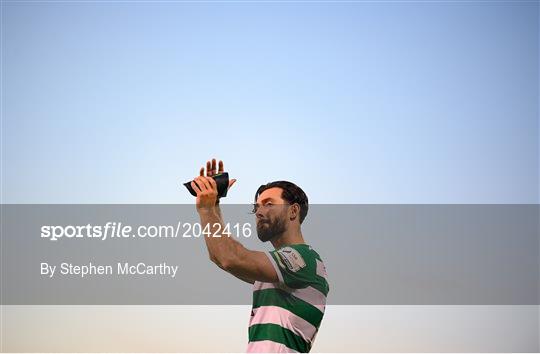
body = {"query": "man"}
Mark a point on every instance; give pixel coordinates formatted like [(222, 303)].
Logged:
[(290, 283)]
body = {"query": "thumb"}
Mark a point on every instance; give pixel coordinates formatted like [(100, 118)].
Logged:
[(231, 182)]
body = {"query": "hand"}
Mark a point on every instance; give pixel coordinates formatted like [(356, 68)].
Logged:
[(205, 186), (211, 170)]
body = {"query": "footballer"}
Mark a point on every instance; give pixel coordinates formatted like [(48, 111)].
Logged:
[(289, 283)]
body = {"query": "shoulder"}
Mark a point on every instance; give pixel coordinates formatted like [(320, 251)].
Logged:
[(293, 257), (300, 265)]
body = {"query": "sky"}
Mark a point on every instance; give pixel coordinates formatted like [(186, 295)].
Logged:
[(356, 101), (392, 102)]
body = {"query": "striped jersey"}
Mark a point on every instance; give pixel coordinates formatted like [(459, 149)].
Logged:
[(286, 315)]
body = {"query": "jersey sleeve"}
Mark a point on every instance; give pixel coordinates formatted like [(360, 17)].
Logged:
[(294, 267)]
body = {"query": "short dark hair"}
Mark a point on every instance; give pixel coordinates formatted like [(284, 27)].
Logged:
[(291, 193)]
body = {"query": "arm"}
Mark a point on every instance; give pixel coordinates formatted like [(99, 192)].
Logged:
[(224, 251), (209, 245), (231, 256)]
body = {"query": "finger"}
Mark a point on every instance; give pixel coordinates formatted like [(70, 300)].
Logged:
[(195, 187), (205, 184), (200, 182), (220, 166), (231, 182), (201, 172), (214, 169), (208, 169), (213, 183)]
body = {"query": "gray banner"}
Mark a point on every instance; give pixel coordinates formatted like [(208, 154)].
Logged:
[(374, 254)]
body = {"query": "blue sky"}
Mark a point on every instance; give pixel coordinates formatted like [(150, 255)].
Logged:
[(357, 102), (120, 102)]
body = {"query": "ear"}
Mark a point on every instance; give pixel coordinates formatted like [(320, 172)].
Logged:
[(294, 212)]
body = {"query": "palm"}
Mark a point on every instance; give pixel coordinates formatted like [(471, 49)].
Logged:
[(213, 169)]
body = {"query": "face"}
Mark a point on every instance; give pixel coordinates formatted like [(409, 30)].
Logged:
[(271, 214)]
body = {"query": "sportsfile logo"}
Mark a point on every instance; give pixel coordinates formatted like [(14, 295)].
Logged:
[(119, 230)]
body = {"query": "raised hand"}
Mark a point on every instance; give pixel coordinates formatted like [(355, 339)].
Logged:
[(213, 169), (205, 186)]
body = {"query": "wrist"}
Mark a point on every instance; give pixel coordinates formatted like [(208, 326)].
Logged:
[(208, 210)]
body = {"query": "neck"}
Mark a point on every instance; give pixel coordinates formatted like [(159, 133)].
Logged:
[(291, 236)]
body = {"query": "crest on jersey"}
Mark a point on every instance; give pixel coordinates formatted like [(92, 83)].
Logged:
[(291, 258)]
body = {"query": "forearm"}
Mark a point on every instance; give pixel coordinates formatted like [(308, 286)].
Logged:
[(222, 249)]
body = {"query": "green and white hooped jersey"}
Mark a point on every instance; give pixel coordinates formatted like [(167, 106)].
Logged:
[(286, 316)]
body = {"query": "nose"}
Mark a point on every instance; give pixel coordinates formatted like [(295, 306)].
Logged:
[(259, 215)]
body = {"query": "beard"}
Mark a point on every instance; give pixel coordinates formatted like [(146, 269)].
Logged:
[(269, 229)]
